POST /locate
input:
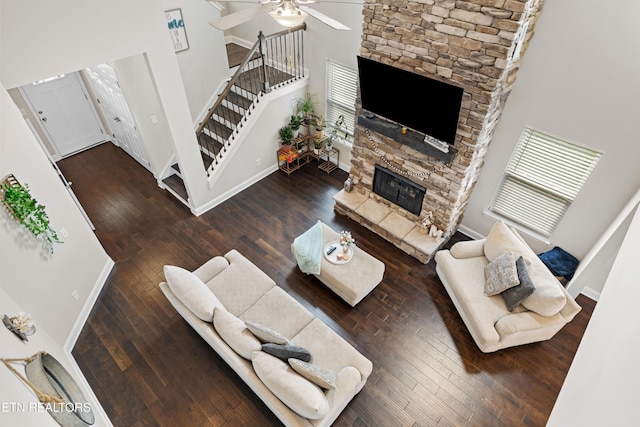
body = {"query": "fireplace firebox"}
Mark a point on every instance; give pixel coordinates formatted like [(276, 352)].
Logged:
[(398, 189)]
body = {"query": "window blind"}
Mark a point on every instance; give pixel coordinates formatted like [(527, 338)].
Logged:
[(341, 95), (542, 178)]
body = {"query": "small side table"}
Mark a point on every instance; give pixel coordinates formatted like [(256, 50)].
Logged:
[(327, 165)]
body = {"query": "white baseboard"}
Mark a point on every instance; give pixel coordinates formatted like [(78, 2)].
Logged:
[(88, 305), (235, 190), (590, 293), (471, 233), (102, 419)]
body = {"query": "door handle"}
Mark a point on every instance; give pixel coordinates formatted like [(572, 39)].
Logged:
[(117, 119), (44, 119), (39, 112)]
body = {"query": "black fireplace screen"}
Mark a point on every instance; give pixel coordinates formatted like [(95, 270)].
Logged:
[(398, 189)]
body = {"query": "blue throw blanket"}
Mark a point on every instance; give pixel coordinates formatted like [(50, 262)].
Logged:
[(308, 249), (560, 262)]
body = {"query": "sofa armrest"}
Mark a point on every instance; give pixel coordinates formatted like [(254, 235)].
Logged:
[(211, 268), (468, 249), (571, 308)]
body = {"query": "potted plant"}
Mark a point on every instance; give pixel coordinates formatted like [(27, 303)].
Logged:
[(337, 126), (319, 123), (19, 201), (294, 123), (286, 135), (306, 106), (317, 145)]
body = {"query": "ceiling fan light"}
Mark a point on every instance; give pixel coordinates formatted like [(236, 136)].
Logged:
[(288, 17)]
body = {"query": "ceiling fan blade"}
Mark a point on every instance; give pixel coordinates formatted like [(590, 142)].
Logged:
[(324, 18), (237, 18)]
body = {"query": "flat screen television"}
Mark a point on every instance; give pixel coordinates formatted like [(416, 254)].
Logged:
[(417, 102)]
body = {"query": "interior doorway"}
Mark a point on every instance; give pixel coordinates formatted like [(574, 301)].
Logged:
[(65, 114), (104, 81)]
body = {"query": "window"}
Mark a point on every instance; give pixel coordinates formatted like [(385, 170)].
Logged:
[(541, 181), (341, 96)]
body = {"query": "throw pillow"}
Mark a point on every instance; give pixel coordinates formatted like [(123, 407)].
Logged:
[(299, 394), (192, 292), (234, 332), (317, 375), (287, 351), (266, 334), (500, 274), (514, 296)]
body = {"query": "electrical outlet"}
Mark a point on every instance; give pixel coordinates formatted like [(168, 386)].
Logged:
[(64, 233), (257, 162), (75, 295), (154, 119)]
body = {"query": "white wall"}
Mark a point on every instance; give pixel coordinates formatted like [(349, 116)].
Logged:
[(204, 65), (17, 399), (577, 81), (42, 283), (601, 387)]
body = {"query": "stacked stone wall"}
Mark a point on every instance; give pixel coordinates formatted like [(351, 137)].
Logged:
[(469, 44)]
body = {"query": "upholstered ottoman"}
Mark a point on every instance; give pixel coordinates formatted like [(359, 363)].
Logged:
[(353, 280)]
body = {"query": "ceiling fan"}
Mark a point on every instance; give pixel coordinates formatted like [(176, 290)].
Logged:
[(288, 13)]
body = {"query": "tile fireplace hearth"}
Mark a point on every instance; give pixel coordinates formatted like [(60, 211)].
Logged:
[(388, 224)]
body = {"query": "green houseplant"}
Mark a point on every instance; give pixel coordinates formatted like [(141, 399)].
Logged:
[(306, 106), (286, 135), (26, 209), (294, 123)]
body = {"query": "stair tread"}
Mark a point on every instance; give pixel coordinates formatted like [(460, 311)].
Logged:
[(228, 114), (175, 183)]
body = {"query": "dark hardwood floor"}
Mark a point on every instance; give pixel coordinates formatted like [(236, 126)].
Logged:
[(149, 368)]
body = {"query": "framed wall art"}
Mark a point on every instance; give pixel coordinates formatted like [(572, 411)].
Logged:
[(175, 24)]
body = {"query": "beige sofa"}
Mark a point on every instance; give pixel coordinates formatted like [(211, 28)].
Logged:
[(217, 299), (493, 327)]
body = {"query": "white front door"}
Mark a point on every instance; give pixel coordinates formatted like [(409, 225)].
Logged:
[(115, 108), (65, 113)]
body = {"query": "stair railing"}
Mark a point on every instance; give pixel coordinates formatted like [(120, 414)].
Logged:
[(272, 62)]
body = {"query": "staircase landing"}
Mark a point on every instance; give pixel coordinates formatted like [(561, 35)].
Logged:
[(236, 54)]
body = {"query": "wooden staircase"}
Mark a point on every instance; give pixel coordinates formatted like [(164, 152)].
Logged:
[(272, 62)]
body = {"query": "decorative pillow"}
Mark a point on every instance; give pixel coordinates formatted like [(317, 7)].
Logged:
[(192, 292), (287, 351), (514, 296), (500, 274), (234, 332), (317, 375), (299, 394), (266, 334)]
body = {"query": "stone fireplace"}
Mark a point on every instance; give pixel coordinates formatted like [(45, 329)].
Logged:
[(474, 45)]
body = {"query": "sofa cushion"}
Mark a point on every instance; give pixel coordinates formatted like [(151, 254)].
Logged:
[(234, 332), (548, 298), (514, 296), (279, 311), (266, 334), (239, 285), (322, 377), (299, 394), (287, 351), (192, 292), (500, 274), (501, 239), (330, 350)]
